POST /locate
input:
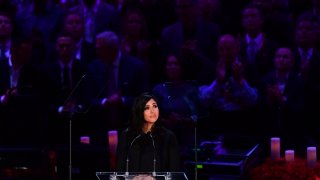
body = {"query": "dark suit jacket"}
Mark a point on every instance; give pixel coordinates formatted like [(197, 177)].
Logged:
[(23, 118), (132, 79), (56, 91), (263, 63), (311, 81), (59, 96), (4, 76)]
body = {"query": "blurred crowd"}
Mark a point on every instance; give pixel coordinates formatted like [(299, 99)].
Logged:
[(249, 68)]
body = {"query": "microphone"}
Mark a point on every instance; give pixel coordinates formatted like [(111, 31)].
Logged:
[(70, 96), (194, 118), (154, 155), (127, 160)]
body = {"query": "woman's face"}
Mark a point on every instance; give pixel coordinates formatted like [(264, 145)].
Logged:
[(151, 111)]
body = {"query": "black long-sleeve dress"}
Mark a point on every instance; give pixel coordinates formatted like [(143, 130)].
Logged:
[(141, 151)]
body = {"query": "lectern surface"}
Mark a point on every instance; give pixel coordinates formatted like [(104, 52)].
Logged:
[(141, 176)]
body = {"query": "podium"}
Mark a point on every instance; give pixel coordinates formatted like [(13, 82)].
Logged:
[(141, 176)]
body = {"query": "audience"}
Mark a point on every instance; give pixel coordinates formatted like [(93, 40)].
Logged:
[(257, 49), (179, 103), (281, 103), (229, 99), (74, 25), (115, 79), (63, 77), (195, 55)]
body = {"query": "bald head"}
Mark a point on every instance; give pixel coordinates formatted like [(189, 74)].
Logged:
[(227, 38)]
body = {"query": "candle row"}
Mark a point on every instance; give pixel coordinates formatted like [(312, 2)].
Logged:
[(112, 139), (289, 154)]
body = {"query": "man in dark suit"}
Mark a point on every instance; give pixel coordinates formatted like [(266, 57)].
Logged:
[(21, 105), (74, 24), (256, 49), (66, 87), (307, 65), (116, 80), (282, 103)]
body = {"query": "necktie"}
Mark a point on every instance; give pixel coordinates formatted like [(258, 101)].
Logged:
[(304, 62), (2, 52), (89, 25), (66, 78), (304, 57), (112, 86), (251, 51)]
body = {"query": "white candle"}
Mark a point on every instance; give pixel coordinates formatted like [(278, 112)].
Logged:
[(289, 155), (113, 141), (85, 140), (275, 148), (312, 156)]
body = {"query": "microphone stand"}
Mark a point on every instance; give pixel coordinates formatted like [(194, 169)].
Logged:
[(71, 114), (154, 156), (195, 153), (70, 145), (195, 119), (127, 160)]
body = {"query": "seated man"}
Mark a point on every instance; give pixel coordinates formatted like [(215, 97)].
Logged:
[(229, 96)]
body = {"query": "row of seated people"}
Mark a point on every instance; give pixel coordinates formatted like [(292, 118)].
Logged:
[(38, 102), (186, 30), (100, 106), (186, 26)]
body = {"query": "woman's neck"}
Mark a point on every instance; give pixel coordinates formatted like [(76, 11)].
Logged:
[(147, 127)]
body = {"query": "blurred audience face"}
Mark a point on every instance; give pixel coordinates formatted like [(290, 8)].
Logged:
[(65, 48), (209, 7), (89, 3), (283, 59), (134, 24), (280, 3), (5, 26), (74, 25), (107, 52), (266, 5), (186, 10), (305, 32), (148, 2), (228, 49), (252, 19), (173, 68)]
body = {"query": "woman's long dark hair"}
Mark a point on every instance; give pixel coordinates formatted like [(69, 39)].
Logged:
[(138, 108)]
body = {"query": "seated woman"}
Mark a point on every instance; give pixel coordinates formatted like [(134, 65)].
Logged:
[(179, 102)]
